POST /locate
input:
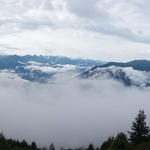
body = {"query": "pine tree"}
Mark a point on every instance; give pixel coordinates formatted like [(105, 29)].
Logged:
[(139, 129), (33, 146), (2, 141), (91, 147), (52, 147), (120, 142), (107, 144)]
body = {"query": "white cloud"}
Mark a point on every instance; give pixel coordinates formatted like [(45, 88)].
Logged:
[(57, 68), (8, 77), (90, 28), (69, 113), (137, 78)]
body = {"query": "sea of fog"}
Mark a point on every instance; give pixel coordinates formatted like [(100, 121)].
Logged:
[(69, 113)]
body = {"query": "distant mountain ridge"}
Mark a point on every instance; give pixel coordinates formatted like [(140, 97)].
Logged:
[(43, 68), (135, 72), (142, 65), (40, 68), (10, 60)]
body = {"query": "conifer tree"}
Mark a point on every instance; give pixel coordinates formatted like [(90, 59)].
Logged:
[(51, 147), (139, 129), (120, 142), (107, 144), (91, 147), (33, 146)]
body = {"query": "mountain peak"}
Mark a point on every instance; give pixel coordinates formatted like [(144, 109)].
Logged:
[(136, 72)]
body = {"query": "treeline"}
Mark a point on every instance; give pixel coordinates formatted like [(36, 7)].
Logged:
[(10, 144), (139, 139)]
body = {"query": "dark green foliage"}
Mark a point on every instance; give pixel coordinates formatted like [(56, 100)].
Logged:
[(120, 142), (33, 146), (97, 148), (2, 141), (24, 144), (90, 147), (139, 130), (51, 147), (9, 144), (44, 148), (142, 146), (107, 144)]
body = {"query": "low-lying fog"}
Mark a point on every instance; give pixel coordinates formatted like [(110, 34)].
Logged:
[(69, 113)]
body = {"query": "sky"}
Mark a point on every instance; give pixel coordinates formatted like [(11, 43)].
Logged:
[(109, 30)]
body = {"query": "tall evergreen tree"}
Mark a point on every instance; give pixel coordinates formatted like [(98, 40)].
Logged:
[(120, 142), (33, 146), (90, 147), (139, 129), (3, 144), (51, 147), (107, 144)]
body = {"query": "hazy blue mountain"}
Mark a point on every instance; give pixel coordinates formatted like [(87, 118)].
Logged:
[(142, 65), (135, 73), (12, 60), (41, 68)]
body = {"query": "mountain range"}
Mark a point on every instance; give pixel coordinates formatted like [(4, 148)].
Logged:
[(133, 73), (40, 68), (43, 68)]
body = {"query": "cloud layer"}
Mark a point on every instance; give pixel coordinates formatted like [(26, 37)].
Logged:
[(89, 28), (68, 113)]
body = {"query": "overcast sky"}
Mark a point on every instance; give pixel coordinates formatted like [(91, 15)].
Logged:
[(111, 30)]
